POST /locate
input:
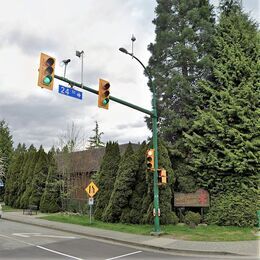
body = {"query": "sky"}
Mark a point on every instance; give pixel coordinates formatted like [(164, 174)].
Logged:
[(59, 28)]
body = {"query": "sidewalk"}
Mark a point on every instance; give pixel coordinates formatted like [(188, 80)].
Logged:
[(240, 248)]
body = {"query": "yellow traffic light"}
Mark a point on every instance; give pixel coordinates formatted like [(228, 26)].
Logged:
[(46, 71), (162, 176), (103, 94), (150, 159)]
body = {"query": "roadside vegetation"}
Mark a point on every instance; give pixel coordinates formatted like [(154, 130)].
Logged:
[(183, 232)]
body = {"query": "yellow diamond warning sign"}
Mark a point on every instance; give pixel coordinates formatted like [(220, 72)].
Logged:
[(91, 189)]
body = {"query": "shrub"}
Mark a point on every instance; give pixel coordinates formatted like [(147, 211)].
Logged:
[(174, 218), (170, 218), (232, 209), (192, 218)]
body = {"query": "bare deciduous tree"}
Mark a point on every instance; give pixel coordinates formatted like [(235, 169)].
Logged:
[(71, 140)]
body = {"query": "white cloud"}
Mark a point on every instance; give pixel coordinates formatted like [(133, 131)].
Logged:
[(59, 28)]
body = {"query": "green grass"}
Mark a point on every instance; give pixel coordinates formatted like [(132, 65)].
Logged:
[(200, 233), (8, 208)]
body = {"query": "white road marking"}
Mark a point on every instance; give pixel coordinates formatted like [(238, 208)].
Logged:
[(59, 253), (18, 240), (39, 235), (41, 247), (120, 256), (25, 234)]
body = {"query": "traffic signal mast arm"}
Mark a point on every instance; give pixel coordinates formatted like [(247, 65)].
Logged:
[(120, 101)]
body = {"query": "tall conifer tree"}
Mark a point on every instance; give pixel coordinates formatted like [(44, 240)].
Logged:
[(140, 189), (106, 177), (25, 174), (6, 149), (13, 175), (119, 200), (39, 178), (180, 58), (50, 200), (28, 177), (224, 138)]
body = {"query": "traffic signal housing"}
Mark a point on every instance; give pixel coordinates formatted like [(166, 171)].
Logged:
[(46, 71), (162, 176), (103, 94), (150, 159)]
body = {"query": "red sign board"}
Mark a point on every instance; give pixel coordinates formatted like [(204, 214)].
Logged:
[(200, 198)]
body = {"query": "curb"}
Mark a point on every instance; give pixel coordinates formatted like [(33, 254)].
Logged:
[(160, 248)]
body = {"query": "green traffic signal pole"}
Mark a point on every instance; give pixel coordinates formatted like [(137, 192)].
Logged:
[(153, 114), (75, 84)]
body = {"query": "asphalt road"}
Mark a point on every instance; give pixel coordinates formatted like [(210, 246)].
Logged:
[(23, 241)]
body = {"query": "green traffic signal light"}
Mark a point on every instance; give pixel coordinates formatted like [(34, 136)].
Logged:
[(105, 101), (47, 80)]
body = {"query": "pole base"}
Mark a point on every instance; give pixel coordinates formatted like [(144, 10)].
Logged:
[(156, 233)]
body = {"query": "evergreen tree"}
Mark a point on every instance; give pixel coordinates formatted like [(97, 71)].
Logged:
[(25, 174), (106, 177), (39, 178), (140, 190), (50, 200), (118, 205), (28, 175), (180, 58), (13, 175), (224, 138), (6, 144), (95, 141), (6, 149)]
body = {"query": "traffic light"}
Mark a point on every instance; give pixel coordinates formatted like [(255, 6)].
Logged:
[(150, 159), (162, 176), (46, 71), (103, 94)]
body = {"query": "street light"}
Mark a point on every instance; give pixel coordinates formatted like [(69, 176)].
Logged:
[(81, 54), (65, 62), (157, 230)]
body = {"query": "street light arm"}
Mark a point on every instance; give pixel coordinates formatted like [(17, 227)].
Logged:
[(133, 56), (151, 82)]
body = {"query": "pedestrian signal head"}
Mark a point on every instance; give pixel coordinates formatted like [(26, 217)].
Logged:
[(162, 177)]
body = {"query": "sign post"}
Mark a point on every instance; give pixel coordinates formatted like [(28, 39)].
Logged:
[(91, 190)]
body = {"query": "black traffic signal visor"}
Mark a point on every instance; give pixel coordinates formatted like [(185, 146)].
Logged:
[(149, 159), (106, 93), (49, 70), (106, 86), (49, 62), (149, 165)]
